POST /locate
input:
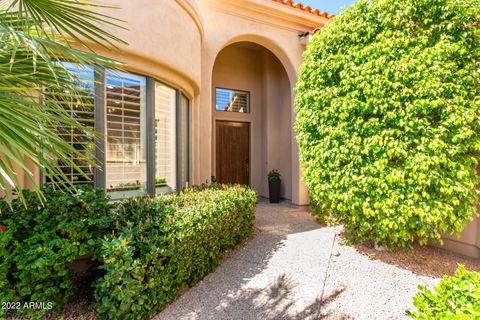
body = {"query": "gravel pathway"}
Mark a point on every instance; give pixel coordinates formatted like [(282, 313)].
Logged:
[(289, 267)]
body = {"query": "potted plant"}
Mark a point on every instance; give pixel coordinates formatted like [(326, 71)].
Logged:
[(160, 182), (161, 186), (274, 186)]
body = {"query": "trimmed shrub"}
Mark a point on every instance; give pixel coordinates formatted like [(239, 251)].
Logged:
[(167, 243), (6, 243), (388, 119), (40, 241), (147, 248), (455, 297)]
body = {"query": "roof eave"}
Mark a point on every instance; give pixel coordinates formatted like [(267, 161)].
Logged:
[(273, 12)]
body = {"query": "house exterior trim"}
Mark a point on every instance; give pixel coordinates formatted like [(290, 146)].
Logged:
[(270, 13), (192, 9)]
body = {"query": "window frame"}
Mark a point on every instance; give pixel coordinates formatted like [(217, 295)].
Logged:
[(117, 75), (181, 95), (235, 90)]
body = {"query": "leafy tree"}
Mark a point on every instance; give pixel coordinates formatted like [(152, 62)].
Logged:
[(36, 35), (388, 121)]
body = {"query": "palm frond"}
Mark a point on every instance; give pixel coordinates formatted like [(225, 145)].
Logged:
[(36, 36)]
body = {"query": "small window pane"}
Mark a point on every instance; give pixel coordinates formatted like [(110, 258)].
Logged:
[(165, 139), (126, 166), (232, 100)]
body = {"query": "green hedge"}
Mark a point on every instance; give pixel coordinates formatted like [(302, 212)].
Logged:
[(41, 239), (147, 248), (388, 119), (455, 297), (167, 243)]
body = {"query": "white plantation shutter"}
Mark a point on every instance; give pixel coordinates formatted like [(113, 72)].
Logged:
[(126, 130), (165, 137), (81, 108)]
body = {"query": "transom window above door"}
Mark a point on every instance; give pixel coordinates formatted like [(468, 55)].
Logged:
[(232, 100)]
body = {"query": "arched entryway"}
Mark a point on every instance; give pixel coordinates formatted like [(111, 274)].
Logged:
[(252, 117)]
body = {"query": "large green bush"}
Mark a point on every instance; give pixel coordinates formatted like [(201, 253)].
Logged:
[(167, 243), (455, 297), (388, 119), (42, 238)]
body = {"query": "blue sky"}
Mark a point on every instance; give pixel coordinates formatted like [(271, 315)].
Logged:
[(331, 6)]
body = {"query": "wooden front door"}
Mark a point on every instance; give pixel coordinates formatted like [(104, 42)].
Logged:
[(233, 152)]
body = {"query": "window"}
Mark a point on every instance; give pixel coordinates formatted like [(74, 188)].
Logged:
[(145, 147), (126, 165), (82, 109), (165, 139), (232, 100)]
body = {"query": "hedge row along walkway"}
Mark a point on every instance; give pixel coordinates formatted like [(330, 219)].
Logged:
[(281, 273)]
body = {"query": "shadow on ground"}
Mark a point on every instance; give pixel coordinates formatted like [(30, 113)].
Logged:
[(276, 301), (294, 268), (425, 261), (278, 274)]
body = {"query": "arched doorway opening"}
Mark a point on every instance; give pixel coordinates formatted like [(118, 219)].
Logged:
[(252, 110)]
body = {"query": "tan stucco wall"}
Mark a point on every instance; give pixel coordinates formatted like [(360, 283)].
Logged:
[(164, 40), (241, 69), (469, 241), (178, 41), (258, 71), (231, 22), (277, 124)]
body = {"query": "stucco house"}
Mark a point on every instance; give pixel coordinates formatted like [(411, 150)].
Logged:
[(208, 91)]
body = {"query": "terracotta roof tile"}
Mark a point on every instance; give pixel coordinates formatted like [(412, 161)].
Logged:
[(300, 6)]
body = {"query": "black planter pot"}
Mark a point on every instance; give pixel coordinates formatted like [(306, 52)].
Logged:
[(274, 190)]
